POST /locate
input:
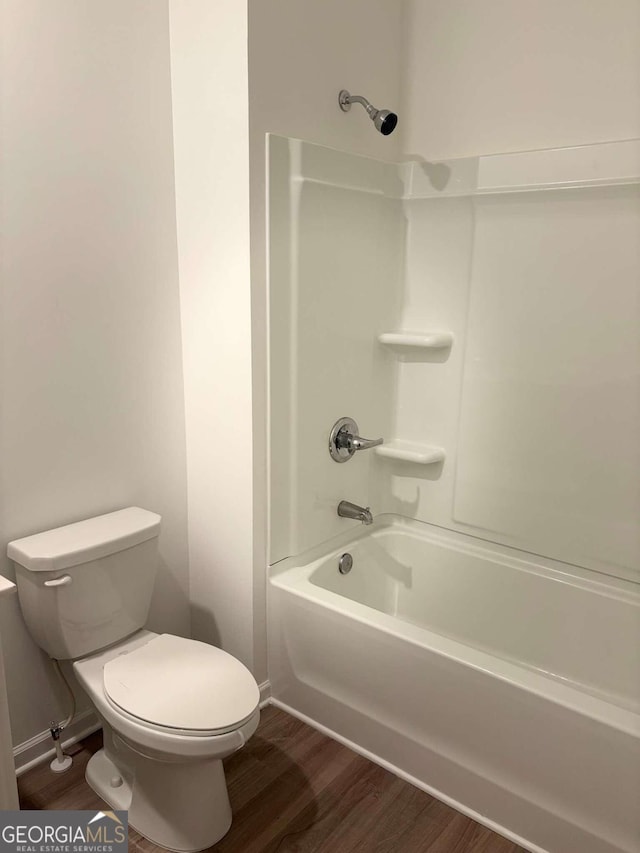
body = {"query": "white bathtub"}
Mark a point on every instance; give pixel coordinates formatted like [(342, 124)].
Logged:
[(505, 684)]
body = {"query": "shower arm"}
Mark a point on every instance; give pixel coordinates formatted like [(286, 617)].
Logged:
[(346, 99)]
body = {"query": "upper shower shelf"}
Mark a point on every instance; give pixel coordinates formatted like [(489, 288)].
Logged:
[(423, 340)]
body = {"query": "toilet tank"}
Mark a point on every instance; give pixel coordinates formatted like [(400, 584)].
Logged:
[(87, 585)]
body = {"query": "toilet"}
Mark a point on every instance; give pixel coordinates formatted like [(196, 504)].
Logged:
[(171, 708)]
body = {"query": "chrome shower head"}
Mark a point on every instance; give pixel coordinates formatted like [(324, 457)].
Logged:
[(384, 120)]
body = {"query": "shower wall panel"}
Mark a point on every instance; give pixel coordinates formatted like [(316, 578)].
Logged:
[(549, 451), (335, 270), (538, 403)]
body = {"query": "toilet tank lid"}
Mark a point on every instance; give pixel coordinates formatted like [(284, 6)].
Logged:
[(84, 541)]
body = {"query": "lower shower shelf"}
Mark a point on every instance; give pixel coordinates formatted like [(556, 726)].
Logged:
[(408, 451), (434, 339)]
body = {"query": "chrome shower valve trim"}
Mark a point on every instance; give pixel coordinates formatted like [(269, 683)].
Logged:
[(344, 440)]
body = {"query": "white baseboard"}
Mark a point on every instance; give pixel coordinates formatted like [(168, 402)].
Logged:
[(265, 693), (38, 749)]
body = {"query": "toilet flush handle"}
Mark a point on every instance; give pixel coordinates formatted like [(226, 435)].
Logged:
[(65, 580)]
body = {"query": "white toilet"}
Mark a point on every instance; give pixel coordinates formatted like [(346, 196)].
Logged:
[(171, 708)]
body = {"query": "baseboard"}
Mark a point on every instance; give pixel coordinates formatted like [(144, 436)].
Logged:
[(265, 693), (38, 749)]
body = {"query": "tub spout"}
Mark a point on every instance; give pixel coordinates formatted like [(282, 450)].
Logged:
[(358, 513)]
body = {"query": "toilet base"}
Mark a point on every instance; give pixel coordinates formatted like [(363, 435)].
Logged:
[(182, 807), (101, 772)]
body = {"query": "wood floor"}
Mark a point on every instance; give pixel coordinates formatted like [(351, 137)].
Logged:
[(293, 789)]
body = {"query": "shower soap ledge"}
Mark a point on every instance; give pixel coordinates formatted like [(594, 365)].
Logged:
[(427, 340), (408, 451)]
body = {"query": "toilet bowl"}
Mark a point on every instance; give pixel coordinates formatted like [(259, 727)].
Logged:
[(171, 708)]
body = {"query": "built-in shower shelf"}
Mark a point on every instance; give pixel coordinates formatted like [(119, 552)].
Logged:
[(433, 339), (409, 451)]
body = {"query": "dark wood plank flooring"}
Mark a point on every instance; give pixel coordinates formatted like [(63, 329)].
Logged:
[(294, 789)]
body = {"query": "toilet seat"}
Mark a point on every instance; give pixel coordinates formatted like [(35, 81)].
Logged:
[(181, 686)]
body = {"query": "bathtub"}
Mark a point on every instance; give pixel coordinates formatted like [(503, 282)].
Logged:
[(505, 684)]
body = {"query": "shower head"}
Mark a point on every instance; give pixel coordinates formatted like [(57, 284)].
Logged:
[(384, 120)]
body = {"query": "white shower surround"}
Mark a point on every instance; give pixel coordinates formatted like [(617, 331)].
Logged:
[(505, 685), (532, 725), (523, 428)]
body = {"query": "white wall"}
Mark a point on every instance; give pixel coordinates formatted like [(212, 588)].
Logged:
[(210, 113), (92, 415), (496, 76), (302, 54)]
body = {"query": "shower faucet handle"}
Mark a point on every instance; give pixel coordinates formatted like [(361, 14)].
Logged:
[(359, 443), (344, 440)]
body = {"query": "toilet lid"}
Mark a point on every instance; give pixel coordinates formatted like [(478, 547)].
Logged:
[(182, 684)]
